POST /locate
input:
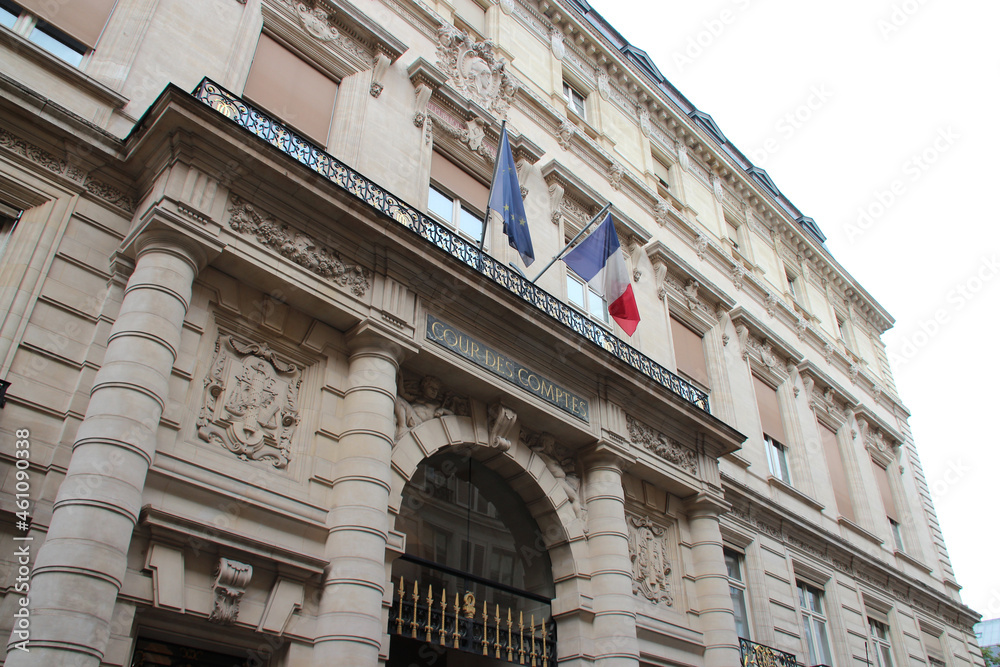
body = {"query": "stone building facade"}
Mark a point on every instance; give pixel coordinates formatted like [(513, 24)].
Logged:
[(269, 405)]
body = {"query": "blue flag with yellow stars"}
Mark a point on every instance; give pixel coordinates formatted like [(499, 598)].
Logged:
[(505, 199)]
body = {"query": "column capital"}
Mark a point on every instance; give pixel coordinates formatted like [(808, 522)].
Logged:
[(608, 452), (706, 504), (161, 229), (370, 334)]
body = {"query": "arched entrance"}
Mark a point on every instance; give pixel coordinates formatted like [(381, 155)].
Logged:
[(474, 585)]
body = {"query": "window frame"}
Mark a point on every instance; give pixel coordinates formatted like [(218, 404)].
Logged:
[(576, 102), (882, 648), (458, 206), (10, 216), (588, 294), (815, 621), (738, 590), (777, 457), (27, 24)]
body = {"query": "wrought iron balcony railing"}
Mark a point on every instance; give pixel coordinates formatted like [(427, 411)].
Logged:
[(286, 140), (753, 654)]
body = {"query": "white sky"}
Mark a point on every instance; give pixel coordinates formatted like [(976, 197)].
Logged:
[(886, 80)]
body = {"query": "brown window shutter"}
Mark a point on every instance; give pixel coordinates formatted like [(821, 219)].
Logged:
[(837, 474), (459, 182), (770, 415), (882, 479), (689, 349), (292, 89), (83, 20)]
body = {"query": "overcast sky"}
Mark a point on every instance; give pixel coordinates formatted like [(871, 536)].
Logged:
[(878, 118)]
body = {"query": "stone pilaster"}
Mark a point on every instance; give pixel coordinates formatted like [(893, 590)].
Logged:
[(81, 566), (715, 606), (615, 643), (349, 626)]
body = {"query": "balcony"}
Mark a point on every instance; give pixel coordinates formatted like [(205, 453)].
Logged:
[(286, 140), (753, 654)]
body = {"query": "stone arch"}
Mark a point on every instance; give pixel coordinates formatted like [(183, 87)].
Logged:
[(563, 533)]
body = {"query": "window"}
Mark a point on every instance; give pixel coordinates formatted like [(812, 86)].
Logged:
[(455, 197), (774, 432), (662, 173), (583, 295), (689, 349), (576, 101), (791, 279), (838, 475), (737, 591), (734, 233), (882, 649), (934, 648), (68, 30), (814, 622), (885, 490), (8, 222), (292, 89), (777, 459)]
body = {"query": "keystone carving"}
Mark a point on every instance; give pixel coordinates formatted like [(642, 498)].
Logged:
[(615, 173), (660, 212), (503, 424), (231, 579), (475, 70), (647, 545), (257, 414), (565, 133)]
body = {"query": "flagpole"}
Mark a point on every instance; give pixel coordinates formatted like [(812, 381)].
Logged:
[(486, 218), (573, 240)]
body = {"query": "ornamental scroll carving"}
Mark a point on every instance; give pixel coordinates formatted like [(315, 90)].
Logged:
[(475, 70), (300, 248), (250, 405), (231, 579), (647, 546), (661, 445)]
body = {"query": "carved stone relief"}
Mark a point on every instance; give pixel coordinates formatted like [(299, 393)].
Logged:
[(562, 466), (318, 24), (503, 424), (231, 579), (603, 84), (475, 70), (664, 447), (258, 412), (565, 133), (420, 400), (300, 248), (615, 173), (558, 46), (651, 569), (660, 212)]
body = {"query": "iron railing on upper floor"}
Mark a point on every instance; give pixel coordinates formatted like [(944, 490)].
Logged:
[(753, 654), (289, 142)]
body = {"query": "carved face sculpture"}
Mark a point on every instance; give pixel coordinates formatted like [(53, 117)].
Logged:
[(431, 387), (480, 76)]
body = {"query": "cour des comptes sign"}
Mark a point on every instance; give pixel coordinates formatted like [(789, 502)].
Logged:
[(504, 367)]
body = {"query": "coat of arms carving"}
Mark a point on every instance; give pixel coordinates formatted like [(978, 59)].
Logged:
[(475, 70), (250, 406), (651, 569)]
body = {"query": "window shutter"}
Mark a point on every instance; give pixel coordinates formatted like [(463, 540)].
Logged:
[(689, 349), (456, 179), (83, 20), (770, 415), (292, 89), (838, 476), (882, 478)]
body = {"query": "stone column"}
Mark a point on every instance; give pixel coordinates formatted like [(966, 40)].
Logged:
[(715, 607), (81, 566), (349, 628), (615, 643)]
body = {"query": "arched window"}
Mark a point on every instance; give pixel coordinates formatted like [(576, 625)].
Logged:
[(472, 548)]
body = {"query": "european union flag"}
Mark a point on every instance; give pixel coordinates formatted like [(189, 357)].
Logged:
[(505, 199)]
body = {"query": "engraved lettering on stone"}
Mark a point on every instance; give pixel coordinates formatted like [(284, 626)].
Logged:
[(298, 247), (647, 545), (231, 579), (662, 446)]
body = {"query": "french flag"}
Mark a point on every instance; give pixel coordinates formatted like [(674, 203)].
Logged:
[(600, 261)]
